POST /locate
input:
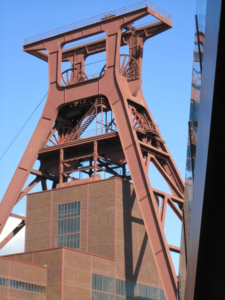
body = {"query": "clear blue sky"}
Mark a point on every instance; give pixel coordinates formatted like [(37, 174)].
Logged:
[(167, 68)]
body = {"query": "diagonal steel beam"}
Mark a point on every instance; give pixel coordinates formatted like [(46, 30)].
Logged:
[(29, 188), (163, 210), (177, 211), (18, 216), (12, 234), (166, 177)]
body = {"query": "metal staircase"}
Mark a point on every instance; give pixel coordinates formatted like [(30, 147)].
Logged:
[(83, 123)]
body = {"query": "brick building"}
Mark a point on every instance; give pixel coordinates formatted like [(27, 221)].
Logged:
[(87, 240)]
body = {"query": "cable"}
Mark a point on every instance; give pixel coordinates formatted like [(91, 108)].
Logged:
[(94, 62), (32, 115), (23, 126), (81, 43)]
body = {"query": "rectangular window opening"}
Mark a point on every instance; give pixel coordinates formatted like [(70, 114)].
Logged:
[(69, 225)]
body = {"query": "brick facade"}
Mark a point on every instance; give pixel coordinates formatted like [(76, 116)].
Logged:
[(113, 241), (24, 272)]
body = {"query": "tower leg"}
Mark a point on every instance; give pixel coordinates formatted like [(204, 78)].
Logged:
[(26, 164), (146, 199)]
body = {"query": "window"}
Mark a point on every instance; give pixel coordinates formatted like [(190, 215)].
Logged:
[(103, 283), (102, 296), (3, 281), (126, 288), (69, 225), (15, 284), (148, 292), (108, 288)]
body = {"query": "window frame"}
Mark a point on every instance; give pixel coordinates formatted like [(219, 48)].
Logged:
[(67, 236)]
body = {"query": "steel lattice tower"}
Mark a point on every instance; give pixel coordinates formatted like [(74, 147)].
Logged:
[(130, 138)]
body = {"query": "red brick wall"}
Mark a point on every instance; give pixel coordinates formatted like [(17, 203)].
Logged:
[(24, 272), (97, 217), (111, 227)]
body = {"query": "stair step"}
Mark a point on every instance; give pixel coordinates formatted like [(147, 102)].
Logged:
[(90, 112)]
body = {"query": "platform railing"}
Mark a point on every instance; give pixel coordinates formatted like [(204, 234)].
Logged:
[(94, 132), (90, 133), (98, 18)]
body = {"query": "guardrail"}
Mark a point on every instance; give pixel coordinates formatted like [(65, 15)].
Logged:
[(90, 133), (94, 132), (96, 19)]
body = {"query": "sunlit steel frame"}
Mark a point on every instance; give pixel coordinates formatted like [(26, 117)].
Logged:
[(121, 94)]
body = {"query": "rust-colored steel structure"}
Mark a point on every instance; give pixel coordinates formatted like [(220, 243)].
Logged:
[(130, 137)]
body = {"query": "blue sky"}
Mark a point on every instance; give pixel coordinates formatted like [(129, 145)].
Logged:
[(167, 67)]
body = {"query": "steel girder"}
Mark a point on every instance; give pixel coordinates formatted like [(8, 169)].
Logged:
[(138, 147)]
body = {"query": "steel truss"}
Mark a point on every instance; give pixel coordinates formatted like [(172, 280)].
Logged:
[(130, 137)]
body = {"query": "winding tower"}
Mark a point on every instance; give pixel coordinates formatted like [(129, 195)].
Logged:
[(123, 139)]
